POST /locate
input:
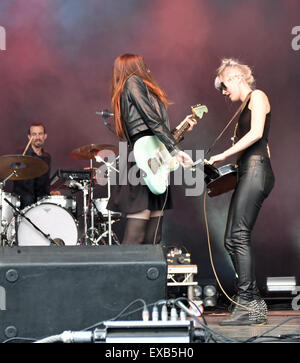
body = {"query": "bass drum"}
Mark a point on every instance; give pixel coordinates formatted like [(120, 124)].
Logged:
[(68, 203), (51, 219)]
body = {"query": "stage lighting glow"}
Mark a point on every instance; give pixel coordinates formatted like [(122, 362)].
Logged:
[(197, 291), (210, 290), (210, 301), (287, 283)]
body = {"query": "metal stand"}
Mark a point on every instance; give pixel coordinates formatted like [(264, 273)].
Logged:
[(92, 228), (87, 187), (114, 238), (109, 167), (175, 273), (2, 184), (85, 190)]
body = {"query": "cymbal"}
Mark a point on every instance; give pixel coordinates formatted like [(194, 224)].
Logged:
[(26, 167), (89, 152)]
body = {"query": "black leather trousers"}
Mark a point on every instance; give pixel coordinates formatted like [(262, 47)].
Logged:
[(255, 182)]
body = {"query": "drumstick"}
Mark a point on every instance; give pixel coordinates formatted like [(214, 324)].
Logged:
[(27, 146)]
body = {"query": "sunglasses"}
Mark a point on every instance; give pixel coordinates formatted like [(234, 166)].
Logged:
[(222, 87)]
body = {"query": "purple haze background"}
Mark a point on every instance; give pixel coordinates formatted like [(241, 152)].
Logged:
[(57, 69)]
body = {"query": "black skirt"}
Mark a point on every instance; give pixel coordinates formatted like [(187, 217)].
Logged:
[(128, 199)]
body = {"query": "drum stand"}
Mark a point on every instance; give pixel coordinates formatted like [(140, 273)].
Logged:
[(111, 234), (2, 184), (85, 188)]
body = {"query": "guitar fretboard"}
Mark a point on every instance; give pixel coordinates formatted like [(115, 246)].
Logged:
[(178, 133)]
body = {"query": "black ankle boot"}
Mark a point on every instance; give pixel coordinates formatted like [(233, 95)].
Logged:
[(252, 313), (262, 306)]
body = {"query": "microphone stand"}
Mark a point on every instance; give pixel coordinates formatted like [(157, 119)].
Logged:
[(109, 126), (106, 114)]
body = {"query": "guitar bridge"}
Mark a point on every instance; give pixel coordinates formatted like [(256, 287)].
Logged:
[(154, 164)]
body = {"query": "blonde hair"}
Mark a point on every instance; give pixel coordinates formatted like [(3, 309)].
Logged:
[(236, 64)]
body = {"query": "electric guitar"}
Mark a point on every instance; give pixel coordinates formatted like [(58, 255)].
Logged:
[(220, 180), (155, 161)]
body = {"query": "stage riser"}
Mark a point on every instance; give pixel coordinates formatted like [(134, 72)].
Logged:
[(46, 290)]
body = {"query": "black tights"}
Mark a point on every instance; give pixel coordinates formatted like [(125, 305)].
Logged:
[(255, 182), (142, 231)]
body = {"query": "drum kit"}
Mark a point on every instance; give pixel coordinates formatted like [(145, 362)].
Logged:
[(54, 218)]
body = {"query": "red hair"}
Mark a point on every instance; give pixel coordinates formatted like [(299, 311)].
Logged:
[(125, 66)]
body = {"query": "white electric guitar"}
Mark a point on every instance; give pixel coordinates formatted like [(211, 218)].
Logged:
[(153, 158)]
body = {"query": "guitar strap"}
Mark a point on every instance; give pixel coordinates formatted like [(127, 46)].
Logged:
[(239, 110)]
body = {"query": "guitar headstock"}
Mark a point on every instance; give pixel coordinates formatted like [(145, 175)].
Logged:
[(199, 110)]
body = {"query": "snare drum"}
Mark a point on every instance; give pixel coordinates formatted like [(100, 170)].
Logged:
[(101, 205), (68, 203), (7, 210), (52, 219)]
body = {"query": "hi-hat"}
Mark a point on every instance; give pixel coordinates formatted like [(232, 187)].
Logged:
[(89, 152), (25, 167)]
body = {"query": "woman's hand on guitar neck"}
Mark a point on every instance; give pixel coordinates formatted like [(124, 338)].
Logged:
[(191, 120), (216, 158)]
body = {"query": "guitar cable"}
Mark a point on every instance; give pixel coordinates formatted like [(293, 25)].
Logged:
[(160, 216), (213, 266), (210, 252)]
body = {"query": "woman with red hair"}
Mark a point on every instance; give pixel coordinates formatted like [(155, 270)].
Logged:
[(139, 106)]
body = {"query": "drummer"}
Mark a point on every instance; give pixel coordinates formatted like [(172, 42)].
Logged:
[(32, 189)]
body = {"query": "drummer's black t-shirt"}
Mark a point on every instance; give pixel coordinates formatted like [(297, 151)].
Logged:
[(32, 189)]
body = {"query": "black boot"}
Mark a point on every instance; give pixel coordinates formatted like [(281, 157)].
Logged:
[(249, 313), (253, 309), (259, 300)]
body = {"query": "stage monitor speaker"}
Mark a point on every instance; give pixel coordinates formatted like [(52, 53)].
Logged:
[(47, 290)]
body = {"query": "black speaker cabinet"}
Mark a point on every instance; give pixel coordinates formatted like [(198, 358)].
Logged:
[(47, 290)]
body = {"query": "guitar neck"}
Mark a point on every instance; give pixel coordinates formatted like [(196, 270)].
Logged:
[(178, 133), (198, 111)]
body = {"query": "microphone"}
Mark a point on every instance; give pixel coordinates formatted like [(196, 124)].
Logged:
[(105, 113)]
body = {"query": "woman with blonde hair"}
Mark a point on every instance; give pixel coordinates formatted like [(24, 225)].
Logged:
[(255, 182), (139, 106)]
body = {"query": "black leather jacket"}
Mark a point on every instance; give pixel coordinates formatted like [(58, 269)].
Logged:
[(142, 111)]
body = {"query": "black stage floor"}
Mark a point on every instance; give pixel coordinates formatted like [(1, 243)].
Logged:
[(282, 326)]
